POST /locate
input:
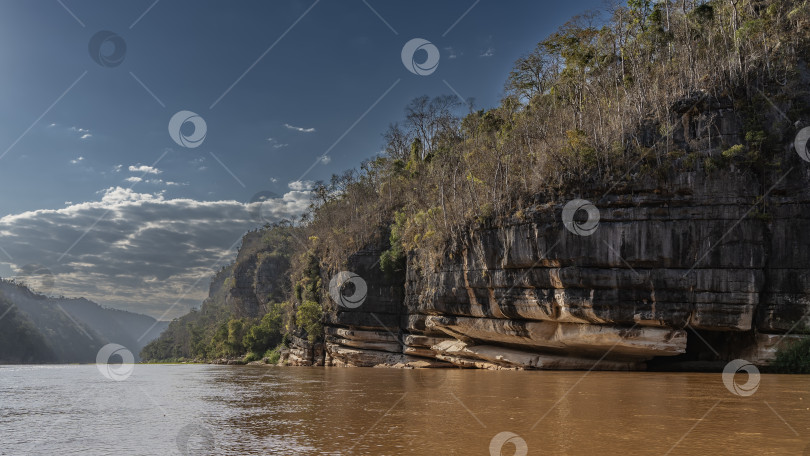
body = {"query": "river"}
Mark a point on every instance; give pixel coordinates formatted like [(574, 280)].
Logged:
[(252, 410)]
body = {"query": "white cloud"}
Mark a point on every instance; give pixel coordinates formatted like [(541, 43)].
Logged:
[(301, 185), (117, 168), (273, 180), (489, 52), (279, 145), (86, 135), (76, 161), (143, 252), (451, 53), (300, 129), (144, 169), (325, 160), (136, 179), (79, 130)]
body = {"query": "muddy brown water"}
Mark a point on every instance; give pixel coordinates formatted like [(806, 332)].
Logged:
[(253, 410)]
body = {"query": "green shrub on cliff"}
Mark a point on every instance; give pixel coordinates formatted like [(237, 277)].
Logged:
[(227, 341), (308, 317), (793, 357), (267, 333), (393, 259), (251, 356), (273, 356)]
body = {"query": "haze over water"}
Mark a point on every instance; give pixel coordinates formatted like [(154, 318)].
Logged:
[(71, 410)]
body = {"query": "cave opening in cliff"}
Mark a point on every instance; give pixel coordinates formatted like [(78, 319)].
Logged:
[(706, 351)]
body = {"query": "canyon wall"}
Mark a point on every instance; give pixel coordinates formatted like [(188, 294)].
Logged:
[(669, 269), (685, 266), (258, 278)]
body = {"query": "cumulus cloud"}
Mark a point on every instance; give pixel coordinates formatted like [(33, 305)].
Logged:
[(301, 185), (141, 252), (299, 129), (144, 169), (133, 179), (76, 161), (325, 160)]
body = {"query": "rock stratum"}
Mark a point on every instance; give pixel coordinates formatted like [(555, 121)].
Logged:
[(688, 268)]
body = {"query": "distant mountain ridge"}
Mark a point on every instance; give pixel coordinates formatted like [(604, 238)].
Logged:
[(41, 329)]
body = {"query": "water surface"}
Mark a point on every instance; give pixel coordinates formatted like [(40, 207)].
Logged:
[(247, 410)]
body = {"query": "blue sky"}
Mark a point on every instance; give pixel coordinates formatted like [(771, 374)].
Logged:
[(95, 190)]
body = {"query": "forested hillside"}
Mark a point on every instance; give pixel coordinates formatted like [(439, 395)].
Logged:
[(20, 341), (42, 329)]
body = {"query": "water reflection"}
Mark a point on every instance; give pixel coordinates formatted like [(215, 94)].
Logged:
[(381, 411)]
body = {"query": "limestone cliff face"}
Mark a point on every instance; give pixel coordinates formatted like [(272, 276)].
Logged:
[(669, 268), (258, 278), (680, 269), (688, 266)]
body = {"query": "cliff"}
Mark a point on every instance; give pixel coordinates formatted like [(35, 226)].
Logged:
[(240, 294), (686, 268)]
